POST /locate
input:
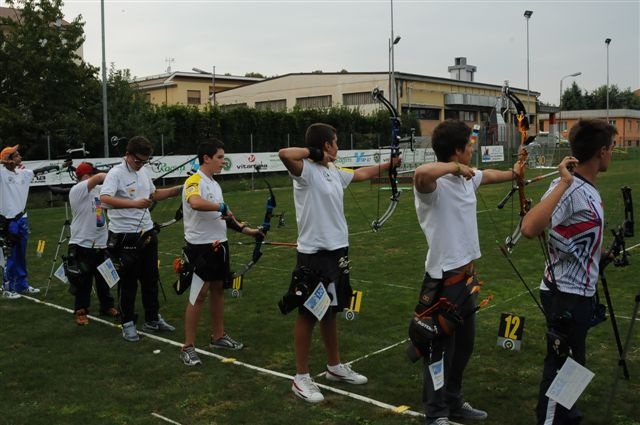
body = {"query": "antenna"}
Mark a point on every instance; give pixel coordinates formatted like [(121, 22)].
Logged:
[(169, 61)]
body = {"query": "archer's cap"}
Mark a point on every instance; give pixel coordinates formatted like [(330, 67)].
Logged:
[(8, 151), (85, 168)]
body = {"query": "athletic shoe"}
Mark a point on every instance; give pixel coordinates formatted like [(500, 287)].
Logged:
[(440, 421), (129, 332), (30, 290), (307, 390), (10, 295), (467, 412), (226, 342), (111, 312), (189, 356), (81, 317), (158, 325), (343, 373)]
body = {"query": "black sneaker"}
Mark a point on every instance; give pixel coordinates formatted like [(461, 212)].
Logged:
[(189, 356), (467, 412), (226, 342)]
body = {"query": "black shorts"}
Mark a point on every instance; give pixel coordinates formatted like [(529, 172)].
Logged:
[(333, 265), (210, 261)]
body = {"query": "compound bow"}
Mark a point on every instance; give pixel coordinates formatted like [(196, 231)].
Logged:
[(617, 254)]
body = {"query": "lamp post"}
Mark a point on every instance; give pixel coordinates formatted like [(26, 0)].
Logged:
[(392, 71), (607, 41), (527, 15), (213, 81), (575, 74), (105, 115)]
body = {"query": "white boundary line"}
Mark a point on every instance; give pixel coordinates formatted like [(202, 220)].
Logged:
[(164, 418), (397, 409)]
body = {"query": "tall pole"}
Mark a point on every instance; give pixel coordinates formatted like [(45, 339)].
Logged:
[(608, 40), (575, 74), (393, 71), (213, 84), (527, 15), (105, 116)]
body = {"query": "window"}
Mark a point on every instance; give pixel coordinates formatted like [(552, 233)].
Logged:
[(272, 105), (423, 113), (460, 115), (314, 102), (147, 97), (354, 99), (193, 97), (233, 106)]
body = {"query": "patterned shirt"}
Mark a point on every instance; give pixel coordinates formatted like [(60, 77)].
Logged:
[(575, 239)]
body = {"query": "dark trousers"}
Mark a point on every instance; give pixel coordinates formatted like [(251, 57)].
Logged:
[(138, 262), (88, 260), (581, 310), (456, 349)]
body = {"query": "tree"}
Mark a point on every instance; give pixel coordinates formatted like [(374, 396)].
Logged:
[(46, 90), (254, 75), (572, 98)]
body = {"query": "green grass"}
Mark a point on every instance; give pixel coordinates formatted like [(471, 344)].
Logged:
[(54, 372)]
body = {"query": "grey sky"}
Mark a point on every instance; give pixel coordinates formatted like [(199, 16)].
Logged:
[(279, 37)]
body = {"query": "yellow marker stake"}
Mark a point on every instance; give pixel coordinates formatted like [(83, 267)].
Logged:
[(40, 247), (356, 301)]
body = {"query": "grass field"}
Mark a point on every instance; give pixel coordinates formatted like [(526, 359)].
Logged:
[(55, 372)]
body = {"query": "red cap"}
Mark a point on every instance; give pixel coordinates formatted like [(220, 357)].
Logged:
[(85, 168), (8, 151)]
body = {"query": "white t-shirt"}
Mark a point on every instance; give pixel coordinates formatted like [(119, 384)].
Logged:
[(123, 182), (318, 195), (88, 226), (447, 217), (202, 227), (14, 190), (575, 238)]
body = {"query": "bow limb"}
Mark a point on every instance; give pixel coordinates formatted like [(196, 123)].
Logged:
[(264, 228), (393, 169)]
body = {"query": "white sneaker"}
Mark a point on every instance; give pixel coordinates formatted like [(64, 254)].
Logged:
[(307, 390), (31, 290), (10, 295), (129, 332), (343, 372)]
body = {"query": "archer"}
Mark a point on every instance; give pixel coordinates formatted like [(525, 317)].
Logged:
[(443, 327), (572, 213)]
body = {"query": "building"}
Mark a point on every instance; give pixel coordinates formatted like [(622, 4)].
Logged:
[(188, 88), (626, 121), (431, 99)]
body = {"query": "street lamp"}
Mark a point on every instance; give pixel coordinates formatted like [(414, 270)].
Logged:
[(607, 41), (392, 70), (575, 74), (105, 114), (213, 81), (527, 15)]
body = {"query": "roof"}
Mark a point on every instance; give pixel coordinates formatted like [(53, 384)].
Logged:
[(167, 77), (596, 113)]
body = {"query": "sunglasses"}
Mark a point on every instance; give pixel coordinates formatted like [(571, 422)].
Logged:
[(139, 161)]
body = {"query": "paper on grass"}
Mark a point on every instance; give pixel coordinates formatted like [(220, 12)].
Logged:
[(569, 383)]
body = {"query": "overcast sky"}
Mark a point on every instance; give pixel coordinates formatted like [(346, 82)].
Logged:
[(280, 37)]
